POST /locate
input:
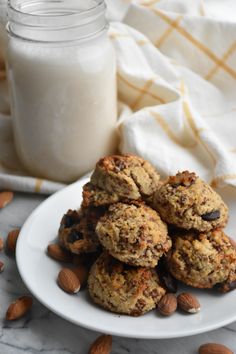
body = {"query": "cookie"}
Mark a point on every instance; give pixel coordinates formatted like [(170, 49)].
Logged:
[(125, 177), (133, 234), (188, 202), (95, 196), (202, 260), (123, 289), (77, 230)]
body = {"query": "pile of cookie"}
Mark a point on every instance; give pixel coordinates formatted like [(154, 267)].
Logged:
[(132, 226)]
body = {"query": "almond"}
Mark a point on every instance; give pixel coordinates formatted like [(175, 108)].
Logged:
[(58, 253), (19, 308), (167, 305), (68, 281), (1, 244), (214, 348), (5, 198), (82, 272), (188, 303), (11, 240), (185, 179), (2, 266), (102, 345)]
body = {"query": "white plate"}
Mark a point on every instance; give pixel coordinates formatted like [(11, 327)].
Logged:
[(39, 273)]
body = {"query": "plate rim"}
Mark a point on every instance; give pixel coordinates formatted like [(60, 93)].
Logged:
[(92, 327)]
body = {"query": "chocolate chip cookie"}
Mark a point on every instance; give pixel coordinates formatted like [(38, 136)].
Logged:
[(202, 260), (121, 178), (77, 230), (134, 234), (123, 289), (188, 202)]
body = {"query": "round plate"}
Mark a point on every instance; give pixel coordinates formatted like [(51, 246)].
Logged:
[(39, 272)]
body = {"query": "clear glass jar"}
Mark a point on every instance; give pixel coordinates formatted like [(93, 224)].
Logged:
[(62, 75)]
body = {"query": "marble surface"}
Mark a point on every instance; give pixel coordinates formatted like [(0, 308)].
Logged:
[(44, 332)]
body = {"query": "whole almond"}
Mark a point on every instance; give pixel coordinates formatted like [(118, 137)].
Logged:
[(214, 348), (59, 254), (102, 345), (167, 305), (5, 198), (1, 244), (2, 266), (68, 281), (11, 240), (19, 308), (82, 272), (188, 303)]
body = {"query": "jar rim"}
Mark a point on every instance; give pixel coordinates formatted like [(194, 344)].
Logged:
[(64, 20), (13, 5)]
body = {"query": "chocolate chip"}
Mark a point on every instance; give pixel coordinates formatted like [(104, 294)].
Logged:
[(168, 282), (213, 215), (68, 221), (70, 218), (113, 266), (166, 279), (74, 236), (175, 185)]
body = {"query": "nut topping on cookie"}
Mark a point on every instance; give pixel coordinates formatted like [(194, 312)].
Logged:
[(119, 164), (185, 179)]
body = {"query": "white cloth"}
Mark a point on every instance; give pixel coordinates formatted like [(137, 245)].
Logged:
[(176, 75)]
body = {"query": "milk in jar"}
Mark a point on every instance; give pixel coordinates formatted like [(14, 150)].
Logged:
[(62, 76)]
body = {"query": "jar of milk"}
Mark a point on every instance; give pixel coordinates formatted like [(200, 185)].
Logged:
[(62, 76)]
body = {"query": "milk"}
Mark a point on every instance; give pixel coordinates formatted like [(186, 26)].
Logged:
[(64, 105), (4, 98)]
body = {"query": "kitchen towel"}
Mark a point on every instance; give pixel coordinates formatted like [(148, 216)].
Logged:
[(176, 72)]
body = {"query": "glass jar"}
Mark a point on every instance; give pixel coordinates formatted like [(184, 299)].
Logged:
[(62, 76)]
